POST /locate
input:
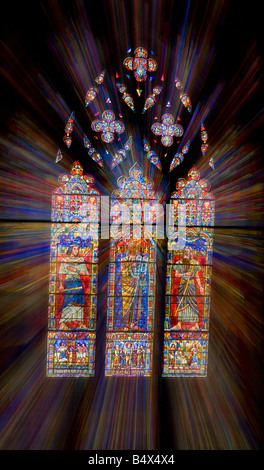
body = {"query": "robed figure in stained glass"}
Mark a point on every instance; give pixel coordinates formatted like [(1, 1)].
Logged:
[(188, 284), (133, 281), (132, 275), (61, 352), (188, 306), (73, 276)]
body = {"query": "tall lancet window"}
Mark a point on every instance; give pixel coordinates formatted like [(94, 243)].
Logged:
[(131, 281), (73, 276), (190, 237)]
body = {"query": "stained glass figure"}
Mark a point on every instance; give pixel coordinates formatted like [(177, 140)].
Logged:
[(211, 163), (167, 129), (108, 126), (90, 95), (73, 275), (129, 101), (58, 156), (188, 284), (70, 354), (140, 64), (96, 156), (131, 281), (185, 354), (204, 135), (128, 354)]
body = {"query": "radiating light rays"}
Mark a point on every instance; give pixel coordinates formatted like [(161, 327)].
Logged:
[(23, 286), (240, 251), (203, 414), (235, 332), (215, 413), (189, 59), (125, 417), (74, 47), (237, 179), (29, 170)]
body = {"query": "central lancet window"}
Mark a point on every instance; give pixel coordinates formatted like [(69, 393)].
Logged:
[(131, 279)]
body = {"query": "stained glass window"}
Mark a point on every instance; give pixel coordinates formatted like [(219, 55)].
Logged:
[(189, 265), (73, 276), (131, 280)]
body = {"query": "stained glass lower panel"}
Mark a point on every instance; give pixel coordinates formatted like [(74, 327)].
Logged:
[(71, 354), (128, 354), (185, 354)]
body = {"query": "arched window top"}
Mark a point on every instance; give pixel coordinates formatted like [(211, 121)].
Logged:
[(77, 199), (192, 187), (135, 185), (199, 203), (76, 182)]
